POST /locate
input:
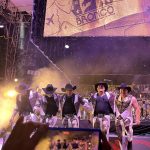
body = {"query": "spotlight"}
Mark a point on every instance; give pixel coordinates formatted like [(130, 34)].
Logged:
[(1, 26), (66, 46), (11, 93), (16, 80)]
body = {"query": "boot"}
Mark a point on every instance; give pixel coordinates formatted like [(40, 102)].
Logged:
[(129, 145)]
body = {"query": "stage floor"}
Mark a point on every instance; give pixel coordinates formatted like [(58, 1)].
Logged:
[(139, 142)]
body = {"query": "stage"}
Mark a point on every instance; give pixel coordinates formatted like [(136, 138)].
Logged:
[(139, 142)]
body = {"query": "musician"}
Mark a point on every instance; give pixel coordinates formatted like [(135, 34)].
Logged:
[(23, 103), (124, 104), (70, 104), (51, 102), (103, 103)]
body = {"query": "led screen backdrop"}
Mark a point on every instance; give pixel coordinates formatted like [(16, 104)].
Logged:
[(97, 17)]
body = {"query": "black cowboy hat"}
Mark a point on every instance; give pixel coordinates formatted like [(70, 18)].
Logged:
[(101, 83), (49, 89), (124, 86), (68, 87), (22, 87)]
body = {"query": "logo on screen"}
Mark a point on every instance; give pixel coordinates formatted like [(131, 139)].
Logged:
[(88, 11)]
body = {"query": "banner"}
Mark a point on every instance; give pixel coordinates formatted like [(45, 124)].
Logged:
[(74, 17)]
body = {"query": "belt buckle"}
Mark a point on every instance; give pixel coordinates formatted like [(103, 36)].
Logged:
[(69, 115), (119, 117), (49, 116), (100, 115)]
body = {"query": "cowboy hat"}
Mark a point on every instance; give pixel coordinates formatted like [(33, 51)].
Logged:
[(49, 89), (124, 86), (68, 87), (101, 83), (22, 87)]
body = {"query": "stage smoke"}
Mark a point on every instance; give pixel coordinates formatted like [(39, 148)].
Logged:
[(48, 76), (7, 103)]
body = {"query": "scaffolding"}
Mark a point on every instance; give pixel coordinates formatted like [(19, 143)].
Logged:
[(13, 19)]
